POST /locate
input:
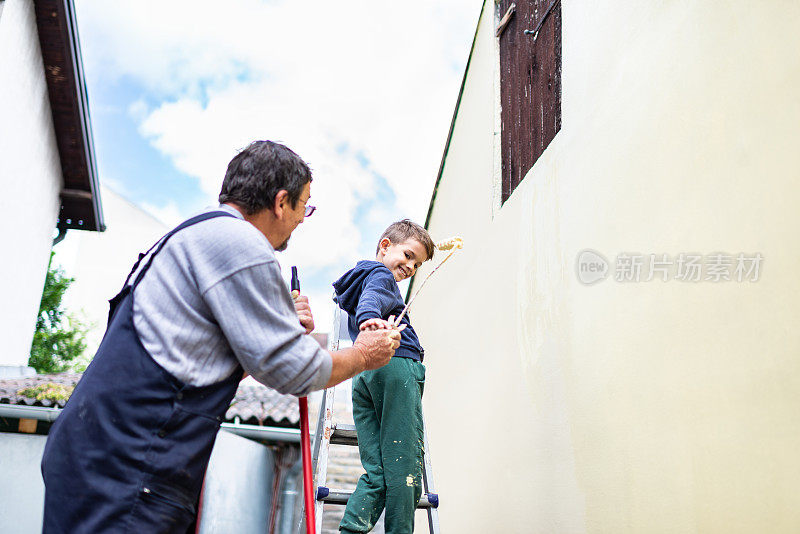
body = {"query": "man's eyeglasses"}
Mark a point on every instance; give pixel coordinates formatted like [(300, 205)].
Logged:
[(310, 210)]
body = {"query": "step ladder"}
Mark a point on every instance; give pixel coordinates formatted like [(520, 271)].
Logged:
[(330, 433)]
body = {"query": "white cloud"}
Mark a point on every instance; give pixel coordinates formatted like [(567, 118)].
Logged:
[(169, 214), (341, 83)]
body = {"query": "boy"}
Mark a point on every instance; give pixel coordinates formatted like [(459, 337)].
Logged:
[(387, 402)]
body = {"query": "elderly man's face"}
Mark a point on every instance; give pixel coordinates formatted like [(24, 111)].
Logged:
[(292, 217)]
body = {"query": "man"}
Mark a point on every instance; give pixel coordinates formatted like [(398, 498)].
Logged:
[(204, 306)]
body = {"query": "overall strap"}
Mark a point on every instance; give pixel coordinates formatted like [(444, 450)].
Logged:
[(160, 244)]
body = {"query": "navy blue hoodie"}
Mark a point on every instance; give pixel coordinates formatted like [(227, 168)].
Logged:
[(369, 291)]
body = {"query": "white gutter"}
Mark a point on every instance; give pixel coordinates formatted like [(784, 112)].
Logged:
[(255, 432), (29, 412), (263, 433)]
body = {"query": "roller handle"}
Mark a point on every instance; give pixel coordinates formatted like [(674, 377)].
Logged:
[(295, 283)]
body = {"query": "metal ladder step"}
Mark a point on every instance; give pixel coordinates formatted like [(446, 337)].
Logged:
[(344, 435), (327, 495)]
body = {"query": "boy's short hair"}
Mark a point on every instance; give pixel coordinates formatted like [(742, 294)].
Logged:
[(400, 231)]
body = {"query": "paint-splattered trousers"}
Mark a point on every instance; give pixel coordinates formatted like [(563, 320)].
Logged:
[(387, 408)]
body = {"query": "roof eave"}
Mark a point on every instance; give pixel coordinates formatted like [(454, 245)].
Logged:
[(81, 207)]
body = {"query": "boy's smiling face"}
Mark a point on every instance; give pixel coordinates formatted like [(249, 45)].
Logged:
[(402, 259)]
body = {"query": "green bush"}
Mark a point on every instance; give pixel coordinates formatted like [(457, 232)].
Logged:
[(49, 391)]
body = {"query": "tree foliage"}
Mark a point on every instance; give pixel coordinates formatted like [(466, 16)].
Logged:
[(60, 338)]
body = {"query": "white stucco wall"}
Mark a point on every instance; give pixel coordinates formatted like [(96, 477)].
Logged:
[(21, 485), (237, 498), (100, 261), (626, 408), (237, 492), (30, 180)]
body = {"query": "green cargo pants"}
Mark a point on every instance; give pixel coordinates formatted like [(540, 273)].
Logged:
[(387, 408)]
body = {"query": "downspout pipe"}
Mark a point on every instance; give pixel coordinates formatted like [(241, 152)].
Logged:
[(62, 233)]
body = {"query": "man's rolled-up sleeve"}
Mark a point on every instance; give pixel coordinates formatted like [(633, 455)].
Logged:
[(255, 312)]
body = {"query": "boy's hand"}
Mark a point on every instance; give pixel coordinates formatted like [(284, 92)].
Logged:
[(373, 324), (380, 324), (377, 347), (303, 310)]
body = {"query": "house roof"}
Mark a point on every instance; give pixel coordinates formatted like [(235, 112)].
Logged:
[(66, 87), (253, 404), (257, 404)]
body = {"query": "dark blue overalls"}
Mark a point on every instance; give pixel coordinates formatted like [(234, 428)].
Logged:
[(130, 449)]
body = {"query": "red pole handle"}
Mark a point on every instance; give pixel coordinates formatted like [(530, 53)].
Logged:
[(308, 482)]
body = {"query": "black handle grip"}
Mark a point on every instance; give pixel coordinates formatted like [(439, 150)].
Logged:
[(295, 283)]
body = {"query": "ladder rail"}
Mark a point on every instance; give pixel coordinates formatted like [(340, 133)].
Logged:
[(427, 480), (319, 432), (325, 423), (324, 429), (322, 433)]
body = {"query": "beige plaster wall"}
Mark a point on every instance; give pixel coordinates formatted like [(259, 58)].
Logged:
[(556, 407)]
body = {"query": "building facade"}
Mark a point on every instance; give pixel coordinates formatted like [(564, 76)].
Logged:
[(583, 374)]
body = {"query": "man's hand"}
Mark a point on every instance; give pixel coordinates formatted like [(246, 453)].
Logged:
[(373, 348), (303, 310), (377, 346)]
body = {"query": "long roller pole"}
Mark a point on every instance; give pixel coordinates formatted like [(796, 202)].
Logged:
[(305, 440), (308, 482)]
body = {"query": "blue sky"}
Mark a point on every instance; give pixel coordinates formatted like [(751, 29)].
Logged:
[(363, 91), (126, 161)]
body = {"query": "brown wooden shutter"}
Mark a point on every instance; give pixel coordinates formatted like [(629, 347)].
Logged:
[(530, 85)]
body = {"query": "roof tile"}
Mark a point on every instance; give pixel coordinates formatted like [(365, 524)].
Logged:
[(253, 404)]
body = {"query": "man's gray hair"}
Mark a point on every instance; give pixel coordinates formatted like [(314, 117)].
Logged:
[(257, 173)]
